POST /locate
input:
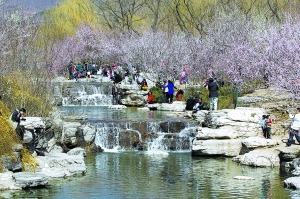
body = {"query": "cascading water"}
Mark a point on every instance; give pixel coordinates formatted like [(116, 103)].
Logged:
[(142, 134), (87, 95), (149, 136)]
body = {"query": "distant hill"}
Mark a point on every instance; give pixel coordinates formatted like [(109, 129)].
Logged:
[(32, 5)]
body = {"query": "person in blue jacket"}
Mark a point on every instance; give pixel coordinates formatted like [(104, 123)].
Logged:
[(170, 95)]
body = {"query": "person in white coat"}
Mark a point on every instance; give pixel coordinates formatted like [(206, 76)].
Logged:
[(295, 126)]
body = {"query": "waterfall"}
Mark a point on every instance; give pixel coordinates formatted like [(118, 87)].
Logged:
[(87, 95), (115, 136), (107, 136)]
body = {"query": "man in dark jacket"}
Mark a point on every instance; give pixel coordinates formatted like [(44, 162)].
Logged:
[(190, 104), (114, 92), (213, 94), (16, 117)]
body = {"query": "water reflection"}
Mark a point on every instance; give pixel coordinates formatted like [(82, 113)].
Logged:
[(177, 175)]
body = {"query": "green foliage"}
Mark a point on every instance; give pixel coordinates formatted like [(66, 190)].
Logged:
[(158, 93), (225, 99), (19, 91), (250, 86), (64, 19), (8, 137)]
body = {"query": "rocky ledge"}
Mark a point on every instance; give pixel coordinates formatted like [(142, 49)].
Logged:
[(56, 165)]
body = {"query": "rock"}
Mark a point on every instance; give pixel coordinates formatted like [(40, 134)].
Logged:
[(260, 158), (200, 115), (129, 139), (33, 123), (117, 107), (221, 133), (243, 178), (29, 179), (287, 155), (172, 126), (69, 134), (292, 183), (12, 163), (61, 165), (226, 147), (77, 151), (89, 133), (134, 99), (143, 109), (7, 181), (257, 142)]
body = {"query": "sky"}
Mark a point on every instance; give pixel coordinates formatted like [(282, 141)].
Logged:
[(33, 5)]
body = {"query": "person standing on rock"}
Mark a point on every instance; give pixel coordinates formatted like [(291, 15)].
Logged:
[(170, 87), (165, 91), (295, 126), (213, 94), (268, 126), (114, 92), (263, 125)]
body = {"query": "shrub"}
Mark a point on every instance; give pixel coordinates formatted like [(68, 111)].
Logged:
[(225, 99)]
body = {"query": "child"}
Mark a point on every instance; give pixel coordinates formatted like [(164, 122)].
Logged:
[(268, 126)]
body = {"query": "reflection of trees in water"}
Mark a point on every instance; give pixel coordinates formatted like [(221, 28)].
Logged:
[(266, 188)]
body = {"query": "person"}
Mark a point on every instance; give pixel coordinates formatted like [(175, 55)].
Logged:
[(130, 78), (165, 91), (115, 94), (171, 87), (182, 78), (118, 78), (263, 125), (179, 94), (151, 98), (139, 79), (187, 72), (211, 72), (190, 104), (213, 94), (70, 69), (144, 85), (295, 126), (17, 116), (200, 105), (269, 122)]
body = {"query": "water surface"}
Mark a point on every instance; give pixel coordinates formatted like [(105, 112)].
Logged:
[(177, 175)]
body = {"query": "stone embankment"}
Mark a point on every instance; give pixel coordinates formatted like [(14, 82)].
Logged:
[(41, 139)]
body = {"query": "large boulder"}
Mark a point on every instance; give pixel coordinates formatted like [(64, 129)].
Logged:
[(12, 162), (259, 158), (61, 165), (7, 181), (178, 106), (224, 147), (292, 182), (259, 142), (70, 134), (29, 179)]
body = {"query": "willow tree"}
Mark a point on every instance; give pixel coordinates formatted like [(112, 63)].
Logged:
[(65, 18)]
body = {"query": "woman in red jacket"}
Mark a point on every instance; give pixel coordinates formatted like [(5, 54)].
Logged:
[(150, 99)]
